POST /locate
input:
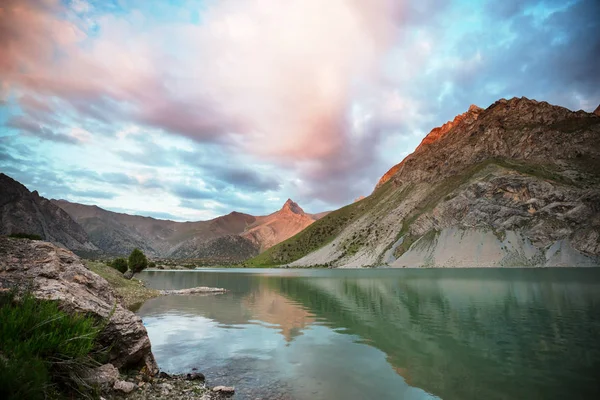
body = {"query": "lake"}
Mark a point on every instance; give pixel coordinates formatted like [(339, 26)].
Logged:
[(383, 333)]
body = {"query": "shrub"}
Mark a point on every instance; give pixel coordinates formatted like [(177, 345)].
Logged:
[(137, 261), (151, 264), (45, 351), (21, 235), (120, 264)]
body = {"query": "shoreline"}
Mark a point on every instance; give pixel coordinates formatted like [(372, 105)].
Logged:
[(140, 384)]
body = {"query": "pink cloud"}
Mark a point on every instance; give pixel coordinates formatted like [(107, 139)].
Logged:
[(269, 78)]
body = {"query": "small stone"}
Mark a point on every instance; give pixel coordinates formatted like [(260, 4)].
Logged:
[(125, 387), (104, 374), (226, 390), (195, 376)]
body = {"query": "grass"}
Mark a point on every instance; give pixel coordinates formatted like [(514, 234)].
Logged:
[(44, 351), (131, 291)]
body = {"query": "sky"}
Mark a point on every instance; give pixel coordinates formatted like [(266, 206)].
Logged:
[(190, 109)]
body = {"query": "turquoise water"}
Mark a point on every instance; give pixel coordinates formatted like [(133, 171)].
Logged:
[(383, 334)]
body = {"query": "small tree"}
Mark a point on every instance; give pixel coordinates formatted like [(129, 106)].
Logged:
[(120, 264), (151, 264), (137, 261)]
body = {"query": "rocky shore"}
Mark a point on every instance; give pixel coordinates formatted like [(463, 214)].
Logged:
[(53, 273)]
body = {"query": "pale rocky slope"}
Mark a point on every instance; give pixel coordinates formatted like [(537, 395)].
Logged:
[(22, 211), (516, 184)]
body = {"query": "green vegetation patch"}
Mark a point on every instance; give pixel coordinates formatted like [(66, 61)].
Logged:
[(44, 352), (131, 291)]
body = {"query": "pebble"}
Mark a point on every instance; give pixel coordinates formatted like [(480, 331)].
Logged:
[(125, 387), (224, 389)]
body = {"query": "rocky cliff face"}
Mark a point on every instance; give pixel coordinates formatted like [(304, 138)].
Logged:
[(515, 184), (22, 211), (54, 273)]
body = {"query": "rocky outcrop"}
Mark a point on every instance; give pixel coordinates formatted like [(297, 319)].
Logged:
[(22, 211), (54, 273), (194, 290), (516, 184)]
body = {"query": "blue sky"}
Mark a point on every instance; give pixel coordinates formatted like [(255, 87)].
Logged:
[(192, 109)]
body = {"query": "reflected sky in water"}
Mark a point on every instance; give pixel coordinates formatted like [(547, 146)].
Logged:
[(383, 334)]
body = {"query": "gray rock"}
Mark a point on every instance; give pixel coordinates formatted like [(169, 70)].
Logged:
[(195, 376), (105, 374), (124, 386), (128, 274), (200, 289), (54, 273), (226, 390)]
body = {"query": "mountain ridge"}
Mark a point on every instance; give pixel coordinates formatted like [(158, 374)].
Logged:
[(233, 237), (24, 211), (521, 177)]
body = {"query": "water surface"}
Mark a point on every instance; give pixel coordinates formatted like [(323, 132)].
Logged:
[(384, 334)]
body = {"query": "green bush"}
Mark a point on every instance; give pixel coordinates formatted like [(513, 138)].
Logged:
[(151, 264), (43, 351), (21, 235), (137, 261), (120, 264)]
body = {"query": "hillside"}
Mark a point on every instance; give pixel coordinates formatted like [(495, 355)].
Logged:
[(232, 238), (22, 211), (515, 184)]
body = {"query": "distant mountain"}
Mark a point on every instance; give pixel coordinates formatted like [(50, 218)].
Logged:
[(232, 237), (22, 211), (269, 230), (516, 184)]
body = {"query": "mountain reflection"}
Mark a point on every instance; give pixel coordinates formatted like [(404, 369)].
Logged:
[(496, 334)]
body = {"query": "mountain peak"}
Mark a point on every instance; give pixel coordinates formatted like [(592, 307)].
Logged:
[(292, 206), (597, 111)]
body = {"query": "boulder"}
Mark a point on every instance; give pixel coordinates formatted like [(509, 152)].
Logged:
[(54, 273)]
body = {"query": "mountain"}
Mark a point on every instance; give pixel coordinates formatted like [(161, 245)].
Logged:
[(22, 211), (274, 228), (515, 184), (231, 238)]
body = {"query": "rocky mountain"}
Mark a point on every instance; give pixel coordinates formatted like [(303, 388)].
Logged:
[(269, 230), (515, 184), (229, 238), (22, 211)]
